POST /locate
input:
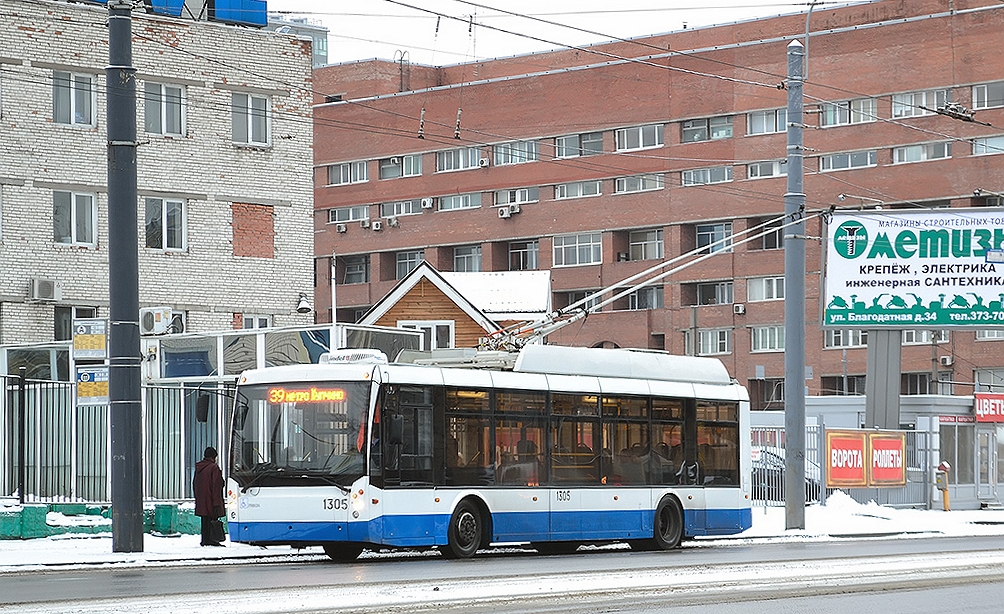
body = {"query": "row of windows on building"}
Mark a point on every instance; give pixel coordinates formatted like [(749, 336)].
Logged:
[(857, 111), (74, 101), (656, 181), (75, 215)]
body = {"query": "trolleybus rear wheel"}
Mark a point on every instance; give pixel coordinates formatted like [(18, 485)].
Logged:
[(667, 527), (465, 531), (342, 553)]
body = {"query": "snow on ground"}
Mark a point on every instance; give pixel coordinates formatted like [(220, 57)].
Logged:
[(840, 517)]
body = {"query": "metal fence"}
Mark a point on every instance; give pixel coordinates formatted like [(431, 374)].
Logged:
[(768, 470), (68, 447)]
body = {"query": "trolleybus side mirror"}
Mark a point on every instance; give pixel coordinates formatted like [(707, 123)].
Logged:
[(202, 408), (395, 435)]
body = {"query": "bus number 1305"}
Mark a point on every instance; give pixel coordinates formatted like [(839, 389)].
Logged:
[(335, 504)]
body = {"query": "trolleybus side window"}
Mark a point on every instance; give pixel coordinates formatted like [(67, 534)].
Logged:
[(469, 459), (667, 441), (625, 440), (410, 461), (718, 443)]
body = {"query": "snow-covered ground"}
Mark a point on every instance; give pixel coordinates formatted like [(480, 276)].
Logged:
[(841, 516)]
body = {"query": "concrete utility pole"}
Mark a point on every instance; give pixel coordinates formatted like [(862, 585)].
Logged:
[(124, 374), (794, 303)]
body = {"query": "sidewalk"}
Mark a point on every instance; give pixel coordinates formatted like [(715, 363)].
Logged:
[(841, 518)]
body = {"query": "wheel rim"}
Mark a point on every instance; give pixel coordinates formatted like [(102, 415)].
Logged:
[(467, 530)]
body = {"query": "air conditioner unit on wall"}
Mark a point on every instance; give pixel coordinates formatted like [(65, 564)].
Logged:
[(46, 289), (377, 225), (483, 162), (364, 223), (427, 203), (155, 320), (504, 213), (514, 208), (739, 308), (341, 228), (946, 361), (392, 222)]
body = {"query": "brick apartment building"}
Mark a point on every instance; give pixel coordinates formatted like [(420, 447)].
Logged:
[(225, 136), (627, 153)]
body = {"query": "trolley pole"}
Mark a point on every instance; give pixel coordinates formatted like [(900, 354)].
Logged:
[(794, 302), (124, 374)]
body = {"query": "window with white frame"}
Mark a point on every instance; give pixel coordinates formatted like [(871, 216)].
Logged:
[(714, 237), (523, 255), (773, 239), (714, 341), (764, 289), (516, 152), (467, 259), (645, 244), (401, 207), (772, 168), (859, 111), (574, 297), (842, 161), (767, 338), (845, 338), (576, 189), (165, 224), (348, 172), (988, 95), (401, 166), (357, 269), (715, 293), (920, 153), (439, 334), (250, 119), (349, 214), (921, 337), (766, 122), (988, 145), (63, 317), (457, 159), (705, 176), (73, 98), (986, 334), (253, 321), (408, 261), (916, 104), (164, 109), (574, 145), (649, 297), (74, 219), (517, 197), (639, 137), (577, 249), (989, 380), (638, 183), (707, 129), (460, 201)]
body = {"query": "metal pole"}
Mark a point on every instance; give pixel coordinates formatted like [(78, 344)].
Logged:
[(124, 374), (794, 303), (334, 316), (22, 431)]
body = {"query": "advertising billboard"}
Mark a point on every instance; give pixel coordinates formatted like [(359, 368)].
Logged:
[(907, 269), (860, 459)]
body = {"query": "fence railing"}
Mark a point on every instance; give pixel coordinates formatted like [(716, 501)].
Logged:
[(68, 447), (768, 470)]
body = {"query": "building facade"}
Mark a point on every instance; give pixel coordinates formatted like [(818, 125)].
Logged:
[(598, 163), (224, 186)]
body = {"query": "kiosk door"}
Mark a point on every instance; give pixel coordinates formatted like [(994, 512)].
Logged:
[(990, 475)]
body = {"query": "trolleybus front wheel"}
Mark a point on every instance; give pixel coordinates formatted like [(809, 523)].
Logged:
[(465, 532), (667, 527), (342, 553)]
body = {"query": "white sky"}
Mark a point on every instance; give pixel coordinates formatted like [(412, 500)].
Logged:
[(384, 28)]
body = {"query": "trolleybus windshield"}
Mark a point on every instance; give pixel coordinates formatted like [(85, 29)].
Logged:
[(300, 434)]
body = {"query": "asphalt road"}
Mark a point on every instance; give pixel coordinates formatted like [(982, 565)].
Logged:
[(722, 573)]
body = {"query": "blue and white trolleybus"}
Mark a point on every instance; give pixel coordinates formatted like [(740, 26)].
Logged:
[(552, 447)]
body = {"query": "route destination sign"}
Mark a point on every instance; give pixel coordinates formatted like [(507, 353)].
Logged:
[(907, 269)]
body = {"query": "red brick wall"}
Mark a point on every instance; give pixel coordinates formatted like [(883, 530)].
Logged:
[(254, 230)]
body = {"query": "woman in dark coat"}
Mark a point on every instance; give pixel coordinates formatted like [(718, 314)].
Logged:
[(208, 487)]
